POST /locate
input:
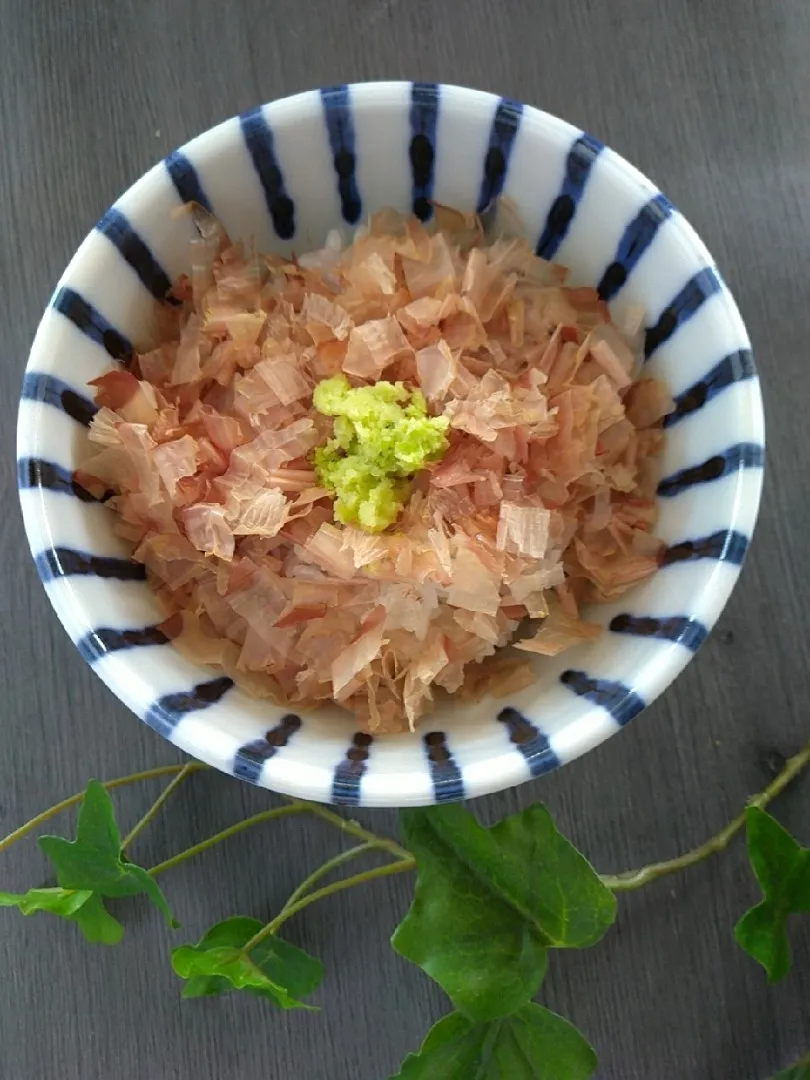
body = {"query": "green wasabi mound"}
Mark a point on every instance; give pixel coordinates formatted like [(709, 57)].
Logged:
[(383, 436)]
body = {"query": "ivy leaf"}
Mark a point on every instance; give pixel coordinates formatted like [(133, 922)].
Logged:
[(97, 924), (275, 969), (88, 869), (782, 868), (81, 906), (489, 903), (532, 1044), (64, 902), (93, 861)]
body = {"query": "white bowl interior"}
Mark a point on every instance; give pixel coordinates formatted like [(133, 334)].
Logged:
[(311, 162)]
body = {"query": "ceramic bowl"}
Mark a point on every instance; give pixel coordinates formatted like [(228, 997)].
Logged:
[(283, 175)]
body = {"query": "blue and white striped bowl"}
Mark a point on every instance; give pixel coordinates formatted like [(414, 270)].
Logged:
[(283, 175)]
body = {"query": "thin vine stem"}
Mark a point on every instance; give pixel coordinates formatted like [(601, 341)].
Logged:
[(354, 828), (635, 879), (65, 804), (158, 804), (226, 834), (327, 868), (400, 867)]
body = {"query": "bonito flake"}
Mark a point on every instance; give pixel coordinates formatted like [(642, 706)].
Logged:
[(540, 499)]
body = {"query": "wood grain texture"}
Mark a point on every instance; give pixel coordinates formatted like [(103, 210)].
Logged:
[(712, 100)]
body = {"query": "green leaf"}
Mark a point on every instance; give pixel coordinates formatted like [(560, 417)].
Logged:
[(96, 923), (87, 869), (782, 868), (489, 903), (532, 1044), (93, 861), (64, 902), (275, 969), (81, 906)]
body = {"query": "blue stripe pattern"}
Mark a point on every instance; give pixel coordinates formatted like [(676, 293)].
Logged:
[(637, 237), (165, 714), (736, 367), (105, 639), (619, 700), (261, 147), (250, 758), (578, 166), (424, 117), (532, 743), (115, 226), (726, 545), (349, 773), (37, 473), (337, 111), (62, 562), (185, 179), (690, 299), (740, 456), (448, 785), (502, 134), (48, 390), (676, 628), (92, 323)]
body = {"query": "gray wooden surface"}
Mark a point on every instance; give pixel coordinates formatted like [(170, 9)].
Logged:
[(712, 99)]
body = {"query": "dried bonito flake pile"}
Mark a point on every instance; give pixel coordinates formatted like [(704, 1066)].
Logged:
[(536, 493)]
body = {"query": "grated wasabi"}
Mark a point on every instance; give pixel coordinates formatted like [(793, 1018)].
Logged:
[(382, 436)]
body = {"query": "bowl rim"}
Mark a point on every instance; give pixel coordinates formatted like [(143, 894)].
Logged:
[(508, 769)]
